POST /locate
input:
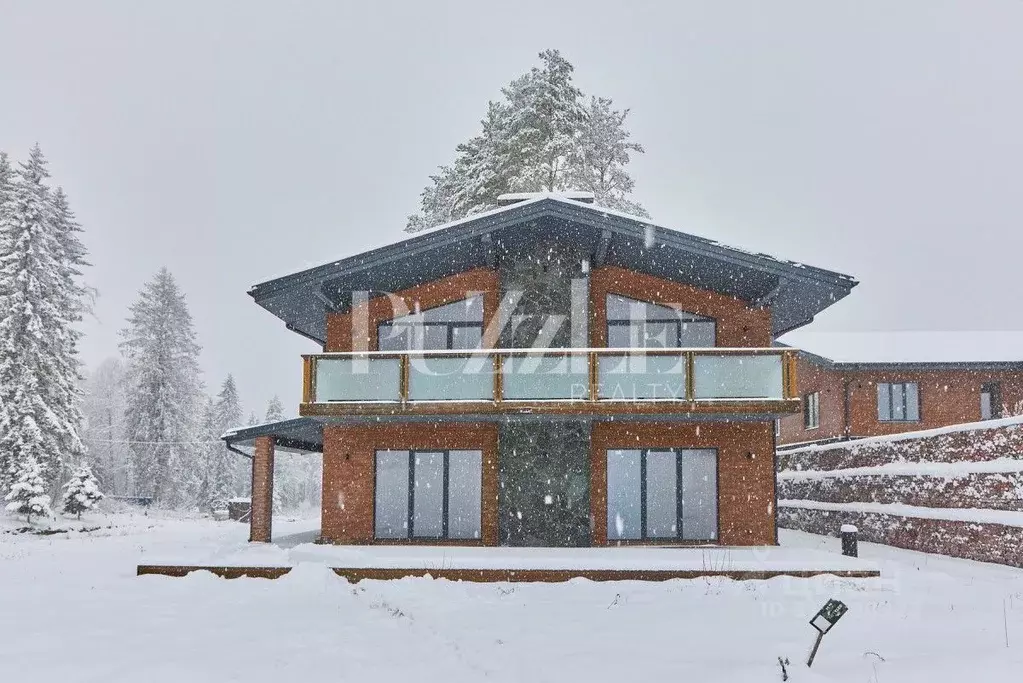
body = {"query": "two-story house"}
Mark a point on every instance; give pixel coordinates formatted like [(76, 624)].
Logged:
[(549, 373)]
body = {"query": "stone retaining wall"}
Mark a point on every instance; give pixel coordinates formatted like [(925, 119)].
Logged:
[(945, 487)]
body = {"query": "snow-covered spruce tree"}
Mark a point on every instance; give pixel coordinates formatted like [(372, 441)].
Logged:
[(82, 492), (163, 385), (40, 301), (600, 156), (289, 469), (232, 474), (104, 405), (540, 137), (28, 492)]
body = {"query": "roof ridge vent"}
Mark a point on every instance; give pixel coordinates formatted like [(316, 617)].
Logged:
[(509, 198)]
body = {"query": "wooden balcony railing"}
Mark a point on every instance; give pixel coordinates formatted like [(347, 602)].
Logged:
[(510, 379)]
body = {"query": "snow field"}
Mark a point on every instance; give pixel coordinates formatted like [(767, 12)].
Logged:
[(74, 611)]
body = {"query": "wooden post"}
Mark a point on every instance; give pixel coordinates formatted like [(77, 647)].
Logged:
[(261, 514)]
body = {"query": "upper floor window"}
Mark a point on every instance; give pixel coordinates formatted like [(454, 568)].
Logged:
[(898, 402), (633, 324), (812, 410), (990, 401), (458, 325)]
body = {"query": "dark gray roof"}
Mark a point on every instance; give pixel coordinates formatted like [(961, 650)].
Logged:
[(300, 434), (796, 292), (906, 366)]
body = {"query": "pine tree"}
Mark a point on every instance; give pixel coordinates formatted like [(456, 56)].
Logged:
[(164, 389), (540, 137), (28, 493), (104, 406), (227, 472), (274, 410), (600, 156), (82, 492), (40, 302)]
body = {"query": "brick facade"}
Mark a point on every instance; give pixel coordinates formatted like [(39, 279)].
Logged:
[(745, 449), (947, 397), (745, 453), (261, 512), (349, 462)]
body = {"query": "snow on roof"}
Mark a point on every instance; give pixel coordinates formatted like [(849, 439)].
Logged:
[(577, 195), (910, 347)]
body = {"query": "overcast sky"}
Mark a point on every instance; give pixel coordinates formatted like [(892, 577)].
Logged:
[(234, 142)]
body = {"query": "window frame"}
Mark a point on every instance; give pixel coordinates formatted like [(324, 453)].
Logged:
[(678, 537), (905, 402), (812, 410), (410, 536), (677, 320), (449, 326), (994, 391)]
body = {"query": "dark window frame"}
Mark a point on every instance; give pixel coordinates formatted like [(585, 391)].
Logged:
[(905, 402), (994, 390), (410, 534), (666, 319), (812, 409), (449, 333), (677, 450)]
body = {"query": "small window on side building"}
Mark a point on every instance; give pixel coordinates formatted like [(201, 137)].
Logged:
[(812, 410), (990, 401)]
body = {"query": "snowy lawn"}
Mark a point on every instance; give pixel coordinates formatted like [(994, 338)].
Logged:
[(71, 609)]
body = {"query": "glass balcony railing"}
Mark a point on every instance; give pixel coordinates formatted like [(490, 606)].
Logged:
[(552, 375)]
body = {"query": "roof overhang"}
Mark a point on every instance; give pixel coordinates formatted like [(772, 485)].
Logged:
[(795, 292), (297, 435)]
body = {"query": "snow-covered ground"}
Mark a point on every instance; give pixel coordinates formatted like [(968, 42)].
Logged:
[(72, 609)]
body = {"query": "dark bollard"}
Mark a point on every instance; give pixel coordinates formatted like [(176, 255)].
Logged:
[(849, 540)]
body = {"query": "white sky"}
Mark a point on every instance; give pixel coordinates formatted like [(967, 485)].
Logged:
[(237, 141)]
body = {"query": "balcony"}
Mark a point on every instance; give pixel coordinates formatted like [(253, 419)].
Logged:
[(551, 381)]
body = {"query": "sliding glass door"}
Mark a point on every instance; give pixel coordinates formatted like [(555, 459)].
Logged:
[(662, 494), (428, 494)]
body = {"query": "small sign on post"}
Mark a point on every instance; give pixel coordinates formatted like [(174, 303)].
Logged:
[(827, 617)]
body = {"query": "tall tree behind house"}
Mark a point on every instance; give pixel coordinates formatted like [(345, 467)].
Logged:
[(41, 300), (164, 382), (542, 136)]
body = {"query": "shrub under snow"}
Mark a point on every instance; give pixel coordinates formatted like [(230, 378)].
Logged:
[(28, 493), (82, 492)]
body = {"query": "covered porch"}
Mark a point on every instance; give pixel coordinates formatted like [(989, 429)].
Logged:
[(260, 444)]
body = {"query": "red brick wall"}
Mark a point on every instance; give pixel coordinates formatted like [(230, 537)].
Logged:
[(947, 397), (428, 295), (261, 511), (348, 471), (738, 324), (745, 471)]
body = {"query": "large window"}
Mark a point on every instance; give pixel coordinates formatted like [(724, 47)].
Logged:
[(898, 402), (633, 324), (812, 410), (662, 494), (458, 325), (428, 494), (990, 401)]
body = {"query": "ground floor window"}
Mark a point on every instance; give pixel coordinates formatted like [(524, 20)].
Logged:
[(662, 494), (898, 402), (428, 494)]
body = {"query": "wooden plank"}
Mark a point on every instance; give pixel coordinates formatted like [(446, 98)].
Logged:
[(566, 407), (356, 574)]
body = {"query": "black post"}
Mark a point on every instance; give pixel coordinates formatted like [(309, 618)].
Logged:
[(849, 543), (813, 652)]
